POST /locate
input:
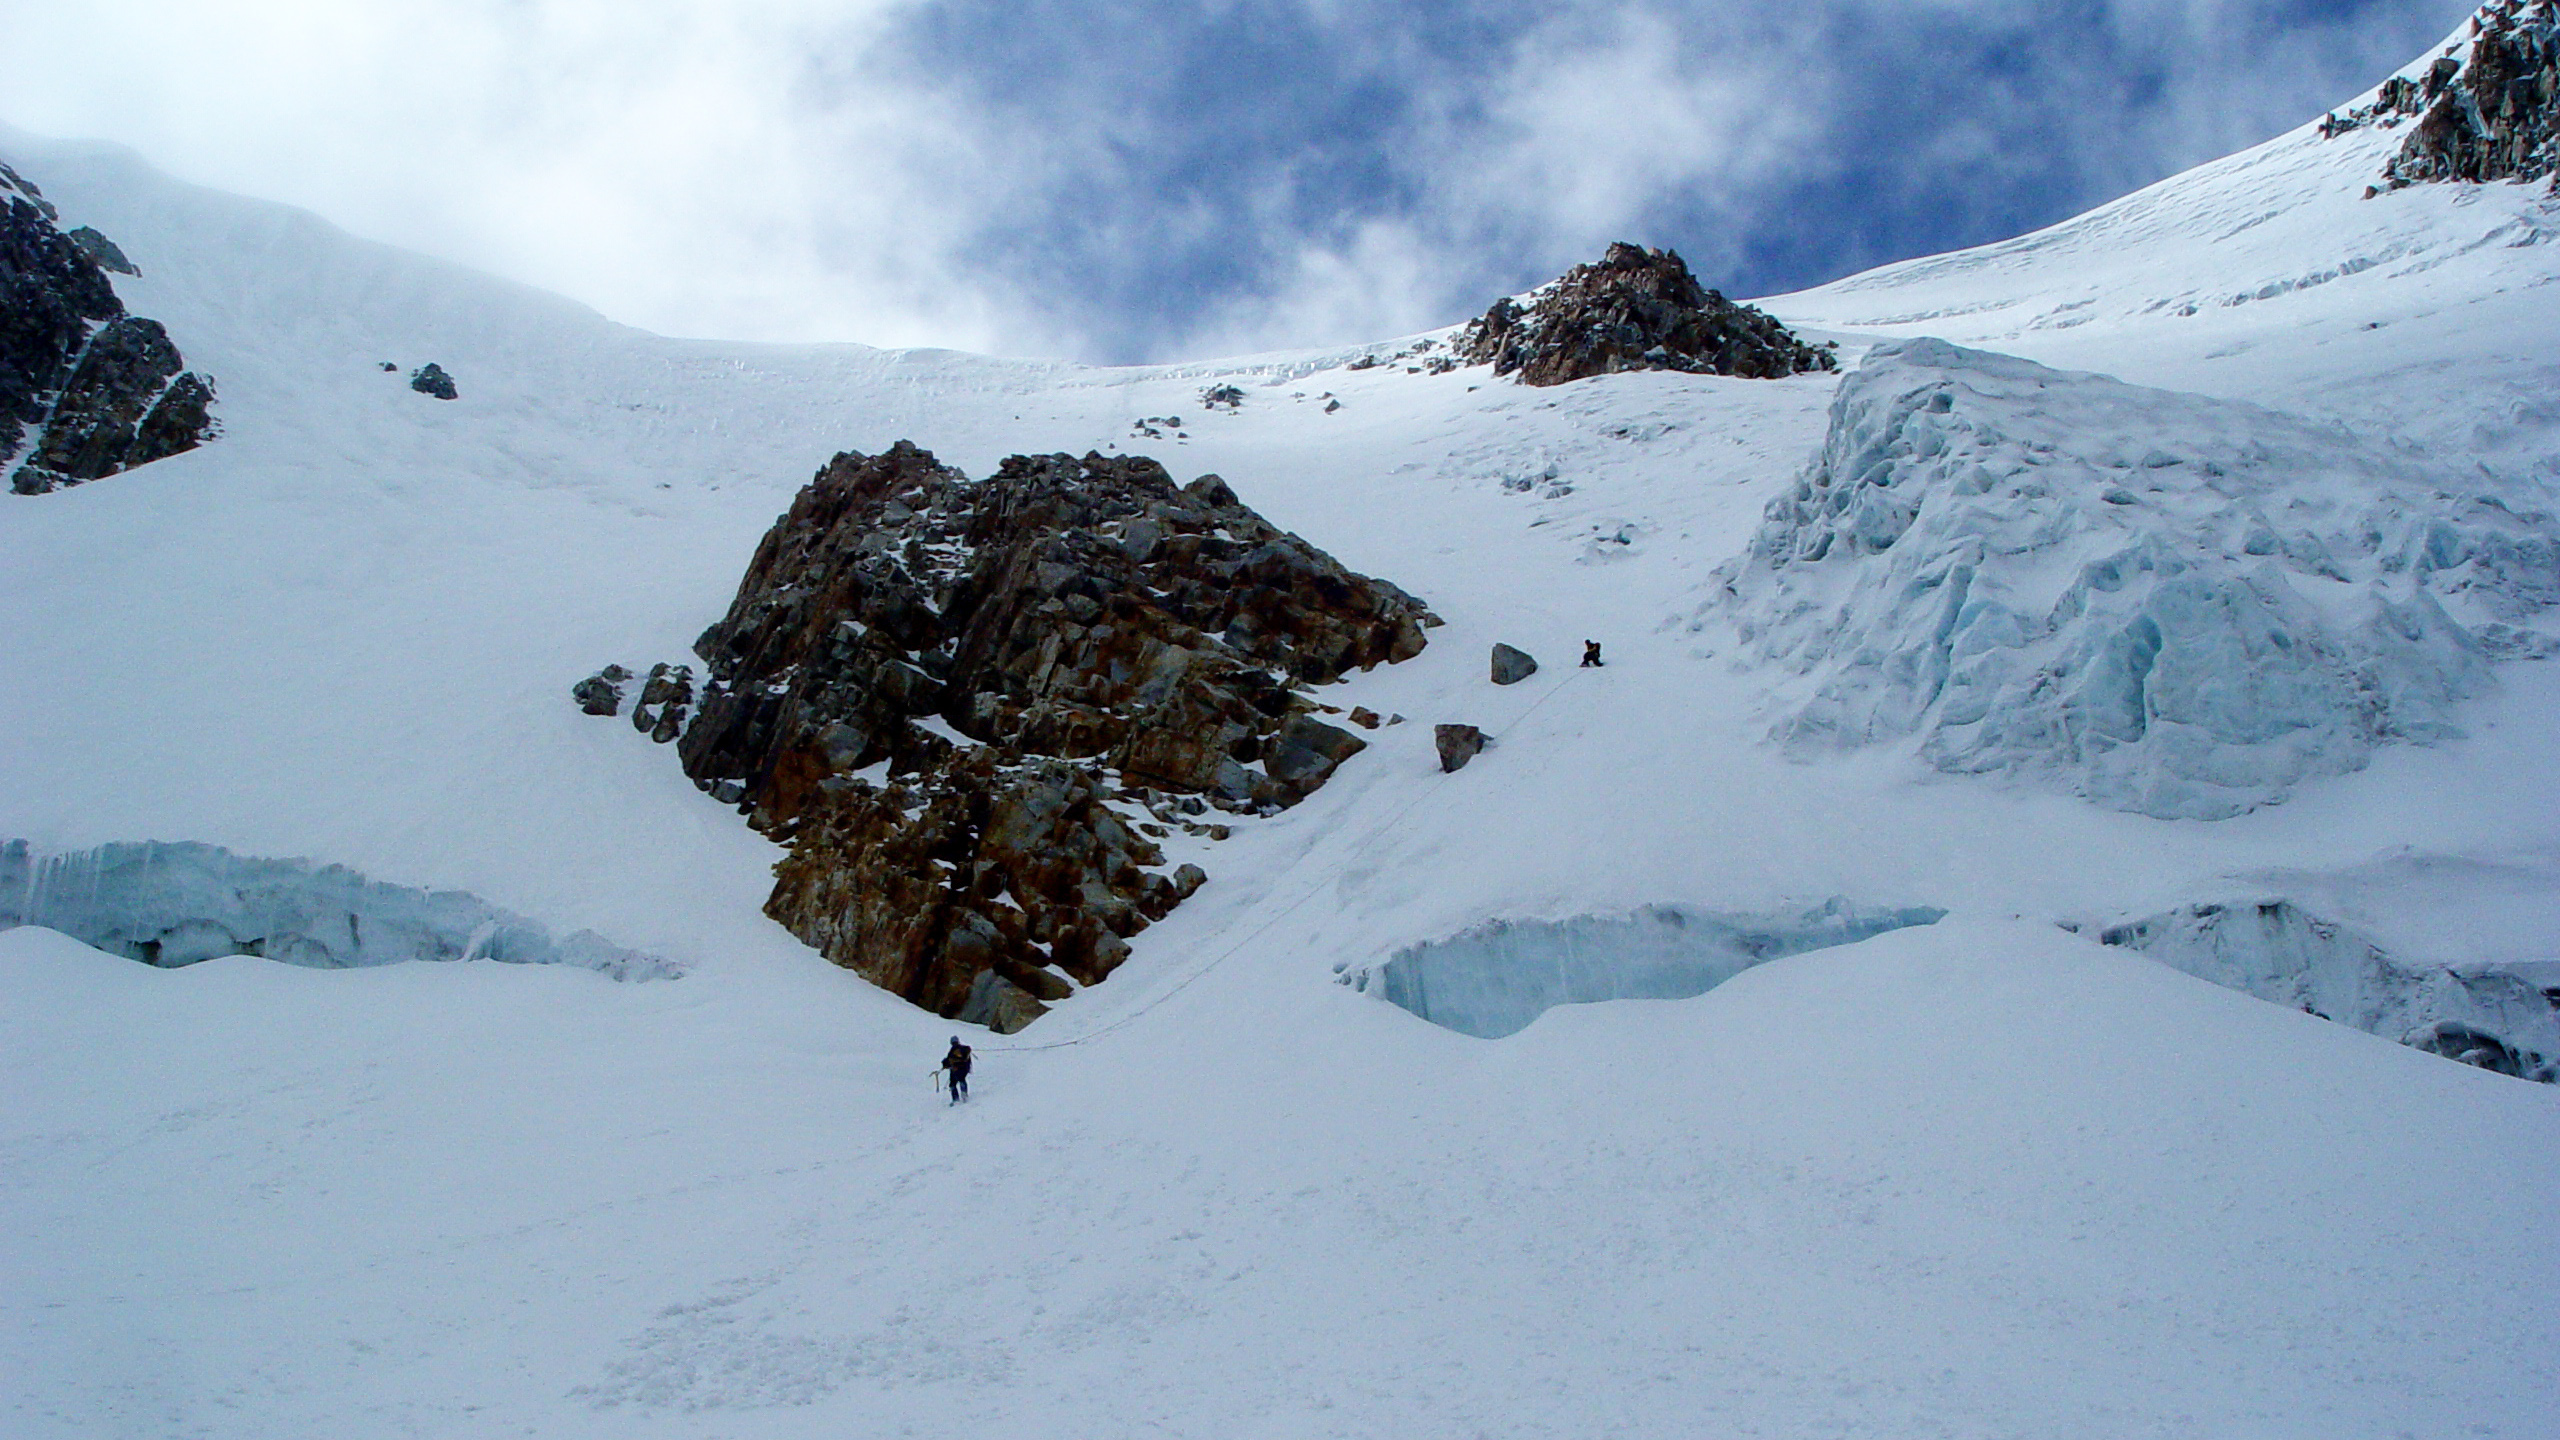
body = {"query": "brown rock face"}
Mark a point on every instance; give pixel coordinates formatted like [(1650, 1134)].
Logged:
[(1637, 309), (1021, 656), (2494, 116), (2490, 114)]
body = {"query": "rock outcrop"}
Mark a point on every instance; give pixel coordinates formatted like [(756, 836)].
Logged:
[(2494, 114), (2490, 111), (967, 706), (1637, 309), (430, 379), (601, 693), (86, 390), (1511, 664)]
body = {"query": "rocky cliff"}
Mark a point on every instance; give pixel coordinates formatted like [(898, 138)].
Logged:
[(971, 707), (2493, 114), (2486, 111), (1637, 309), (85, 389)]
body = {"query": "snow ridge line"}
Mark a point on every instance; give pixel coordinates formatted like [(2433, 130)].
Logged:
[(1293, 906)]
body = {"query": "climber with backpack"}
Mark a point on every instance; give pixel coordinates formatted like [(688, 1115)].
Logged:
[(955, 1066)]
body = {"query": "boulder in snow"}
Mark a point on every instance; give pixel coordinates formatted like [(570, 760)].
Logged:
[(601, 693), (430, 379), (1458, 744), (1511, 665)]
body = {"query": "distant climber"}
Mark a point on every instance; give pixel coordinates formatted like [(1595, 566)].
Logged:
[(956, 1066), (1590, 654)]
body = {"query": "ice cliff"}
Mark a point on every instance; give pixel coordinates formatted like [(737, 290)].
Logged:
[(2163, 602), (176, 904), (1492, 980), (2275, 950)]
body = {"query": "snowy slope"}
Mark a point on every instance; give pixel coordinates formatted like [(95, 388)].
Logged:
[(1967, 1180), (1975, 1178), (2424, 313)]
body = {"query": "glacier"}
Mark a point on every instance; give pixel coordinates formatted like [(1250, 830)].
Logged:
[(2166, 603), (2274, 949), (1492, 980), (1976, 1177), (173, 904)]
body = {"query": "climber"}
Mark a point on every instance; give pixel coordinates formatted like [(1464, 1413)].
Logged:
[(1590, 654), (956, 1065)]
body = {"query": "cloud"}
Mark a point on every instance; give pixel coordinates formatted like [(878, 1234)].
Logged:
[(1153, 180)]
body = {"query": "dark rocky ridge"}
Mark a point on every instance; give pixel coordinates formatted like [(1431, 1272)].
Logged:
[(1637, 309), (2496, 115), (101, 390), (2492, 113), (1047, 666)]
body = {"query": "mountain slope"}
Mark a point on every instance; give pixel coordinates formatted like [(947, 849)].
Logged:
[(2271, 275), (1977, 1177)]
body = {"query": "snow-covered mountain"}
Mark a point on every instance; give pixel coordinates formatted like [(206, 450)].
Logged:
[(1973, 1158)]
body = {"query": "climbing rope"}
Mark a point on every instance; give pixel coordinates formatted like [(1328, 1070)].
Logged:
[(1377, 833)]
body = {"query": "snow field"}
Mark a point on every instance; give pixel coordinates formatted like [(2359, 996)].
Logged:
[(1968, 1178), (1980, 1178)]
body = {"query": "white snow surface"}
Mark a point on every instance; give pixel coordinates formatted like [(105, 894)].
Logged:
[(1980, 1178)]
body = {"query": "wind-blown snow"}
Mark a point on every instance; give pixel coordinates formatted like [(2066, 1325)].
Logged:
[(2166, 603), (178, 904)]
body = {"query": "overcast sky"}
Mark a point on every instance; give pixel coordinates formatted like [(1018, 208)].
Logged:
[(1156, 180)]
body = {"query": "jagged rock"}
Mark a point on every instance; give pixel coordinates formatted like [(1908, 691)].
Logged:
[(1364, 717), (1018, 655), (1637, 309), (430, 379), (102, 391), (1220, 397), (102, 252), (601, 693), (666, 698), (1458, 744), (1511, 666), (98, 417), (2491, 115)]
